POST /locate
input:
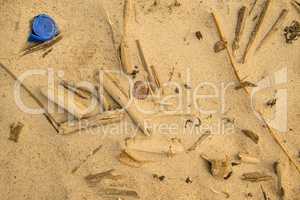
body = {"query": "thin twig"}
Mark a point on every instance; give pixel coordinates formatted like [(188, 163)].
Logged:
[(252, 7), (274, 27), (296, 5), (46, 113), (150, 75), (240, 26), (74, 170), (246, 91), (256, 29), (41, 46)]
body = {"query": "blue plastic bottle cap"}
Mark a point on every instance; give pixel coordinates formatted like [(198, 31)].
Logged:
[(43, 29)]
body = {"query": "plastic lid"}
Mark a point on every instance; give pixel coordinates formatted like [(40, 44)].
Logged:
[(43, 28)]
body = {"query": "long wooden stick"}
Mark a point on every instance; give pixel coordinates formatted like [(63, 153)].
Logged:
[(274, 28), (274, 136), (256, 29), (48, 116)]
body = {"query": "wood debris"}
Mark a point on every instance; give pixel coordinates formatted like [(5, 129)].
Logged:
[(271, 102), (150, 76), (198, 142), (96, 178), (220, 168), (118, 192), (199, 35), (292, 32), (246, 158), (15, 131), (42, 46), (220, 46), (256, 177), (256, 29), (265, 195), (244, 84), (250, 134), (240, 26), (274, 28), (278, 169), (97, 120)]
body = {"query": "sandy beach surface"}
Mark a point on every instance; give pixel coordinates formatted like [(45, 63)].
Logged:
[(46, 165)]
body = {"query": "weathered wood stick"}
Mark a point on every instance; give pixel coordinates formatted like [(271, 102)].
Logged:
[(101, 119), (256, 29), (240, 26), (150, 76), (155, 75), (115, 91), (274, 27), (124, 48)]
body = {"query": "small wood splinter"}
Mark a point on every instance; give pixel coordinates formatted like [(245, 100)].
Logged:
[(250, 134), (15, 131), (240, 26)]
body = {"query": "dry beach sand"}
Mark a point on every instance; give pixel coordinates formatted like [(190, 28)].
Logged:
[(44, 164)]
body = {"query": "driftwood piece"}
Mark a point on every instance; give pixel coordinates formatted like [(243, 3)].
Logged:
[(240, 26), (67, 100), (93, 179), (250, 134), (198, 142), (15, 131), (116, 92), (100, 119), (124, 48), (118, 192), (246, 158), (256, 29), (244, 84), (265, 194), (274, 28), (256, 177)]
